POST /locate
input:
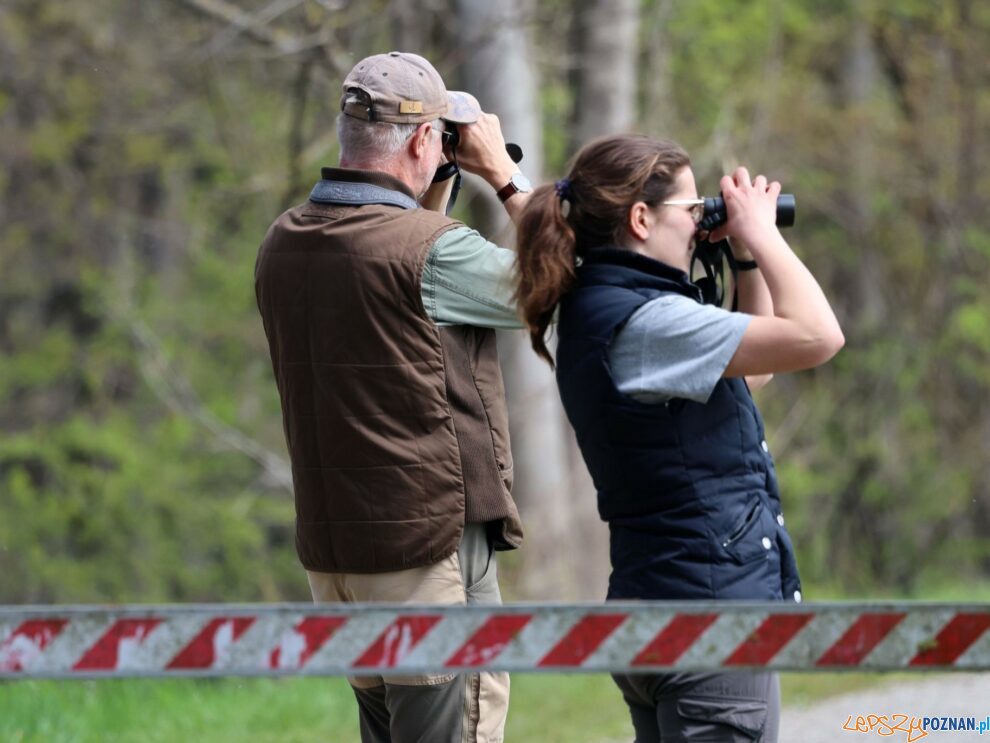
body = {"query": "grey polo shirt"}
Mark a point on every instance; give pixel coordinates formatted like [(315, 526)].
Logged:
[(673, 346)]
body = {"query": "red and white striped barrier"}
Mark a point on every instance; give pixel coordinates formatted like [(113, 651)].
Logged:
[(284, 639)]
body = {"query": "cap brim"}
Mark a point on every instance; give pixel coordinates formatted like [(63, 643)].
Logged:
[(463, 108)]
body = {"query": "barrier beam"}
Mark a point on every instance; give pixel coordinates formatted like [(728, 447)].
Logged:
[(369, 639)]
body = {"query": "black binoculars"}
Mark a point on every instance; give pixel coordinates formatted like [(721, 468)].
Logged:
[(715, 214), (514, 150)]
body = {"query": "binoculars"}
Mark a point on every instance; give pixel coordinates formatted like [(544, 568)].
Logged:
[(715, 214), (514, 150)]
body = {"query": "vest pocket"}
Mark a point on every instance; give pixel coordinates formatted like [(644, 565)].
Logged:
[(748, 541)]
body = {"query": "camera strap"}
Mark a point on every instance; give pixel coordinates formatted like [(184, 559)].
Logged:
[(445, 171), (712, 258), (712, 284)]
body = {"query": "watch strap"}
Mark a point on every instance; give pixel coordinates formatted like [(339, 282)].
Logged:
[(509, 189)]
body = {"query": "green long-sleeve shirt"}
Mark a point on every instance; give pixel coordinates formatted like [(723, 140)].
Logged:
[(468, 280)]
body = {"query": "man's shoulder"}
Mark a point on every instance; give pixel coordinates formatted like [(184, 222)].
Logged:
[(421, 218), (435, 221), (424, 227)]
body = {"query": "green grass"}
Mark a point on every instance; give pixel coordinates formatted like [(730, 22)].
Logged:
[(177, 710), (151, 710), (545, 708), (583, 708)]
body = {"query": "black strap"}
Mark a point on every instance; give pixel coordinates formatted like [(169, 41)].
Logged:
[(445, 171), (710, 257), (357, 194)]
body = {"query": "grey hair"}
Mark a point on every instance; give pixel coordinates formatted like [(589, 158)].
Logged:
[(371, 141)]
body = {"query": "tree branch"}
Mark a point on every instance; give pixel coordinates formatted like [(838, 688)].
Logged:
[(235, 17), (175, 391)]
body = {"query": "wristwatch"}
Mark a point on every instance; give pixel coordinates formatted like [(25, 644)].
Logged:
[(518, 183)]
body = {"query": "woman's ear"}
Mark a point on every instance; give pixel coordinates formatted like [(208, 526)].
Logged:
[(638, 221)]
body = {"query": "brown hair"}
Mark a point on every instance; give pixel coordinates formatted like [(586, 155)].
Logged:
[(606, 178)]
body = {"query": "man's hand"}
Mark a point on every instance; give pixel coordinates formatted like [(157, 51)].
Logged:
[(482, 151)]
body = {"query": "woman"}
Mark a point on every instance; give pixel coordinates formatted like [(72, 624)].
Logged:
[(657, 386)]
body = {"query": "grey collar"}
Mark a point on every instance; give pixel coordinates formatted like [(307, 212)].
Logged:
[(356, 194)]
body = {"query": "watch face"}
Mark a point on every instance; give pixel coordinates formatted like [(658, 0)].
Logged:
[(521, 182)]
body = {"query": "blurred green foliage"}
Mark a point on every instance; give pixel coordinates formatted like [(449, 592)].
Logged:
[(144, 149)]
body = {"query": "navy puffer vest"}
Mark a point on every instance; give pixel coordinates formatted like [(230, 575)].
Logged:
[(688, 489)]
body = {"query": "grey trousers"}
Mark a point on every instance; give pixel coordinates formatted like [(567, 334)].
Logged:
[(739, 707), (412, 714)]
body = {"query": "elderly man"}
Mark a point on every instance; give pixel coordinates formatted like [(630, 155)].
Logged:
[(379, 315)]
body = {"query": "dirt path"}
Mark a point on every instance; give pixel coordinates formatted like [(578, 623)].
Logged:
[(953, 695)]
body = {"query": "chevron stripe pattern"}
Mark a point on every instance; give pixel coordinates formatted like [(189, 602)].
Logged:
[(288, 639)]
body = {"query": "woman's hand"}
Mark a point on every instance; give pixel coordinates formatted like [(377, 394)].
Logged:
[(751, 207), (802, 332)]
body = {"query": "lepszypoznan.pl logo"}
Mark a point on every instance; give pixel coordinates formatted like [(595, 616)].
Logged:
[(914, 728)]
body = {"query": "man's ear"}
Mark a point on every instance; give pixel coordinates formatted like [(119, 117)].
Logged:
[(638, 221), (420, 140)]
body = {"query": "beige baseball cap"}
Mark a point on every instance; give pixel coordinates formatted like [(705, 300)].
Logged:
[(404, 88)]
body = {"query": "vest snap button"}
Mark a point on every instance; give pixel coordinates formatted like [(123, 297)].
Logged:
[(797, 596), (780, 519), (763, 444), (766, 543)]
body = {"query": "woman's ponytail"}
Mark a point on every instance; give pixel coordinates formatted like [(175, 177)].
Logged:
[(545, 263), (607, 177)]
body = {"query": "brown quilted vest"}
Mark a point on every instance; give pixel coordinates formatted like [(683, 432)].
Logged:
[(396, 428)]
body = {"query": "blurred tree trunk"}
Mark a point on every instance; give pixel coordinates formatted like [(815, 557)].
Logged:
[(605, 103), (407, 28), (659, 110), (498, 68), (607, 46), (852, 520), (858, 90), (567, 549)]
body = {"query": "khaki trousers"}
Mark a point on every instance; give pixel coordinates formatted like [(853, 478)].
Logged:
[(447, 707)]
